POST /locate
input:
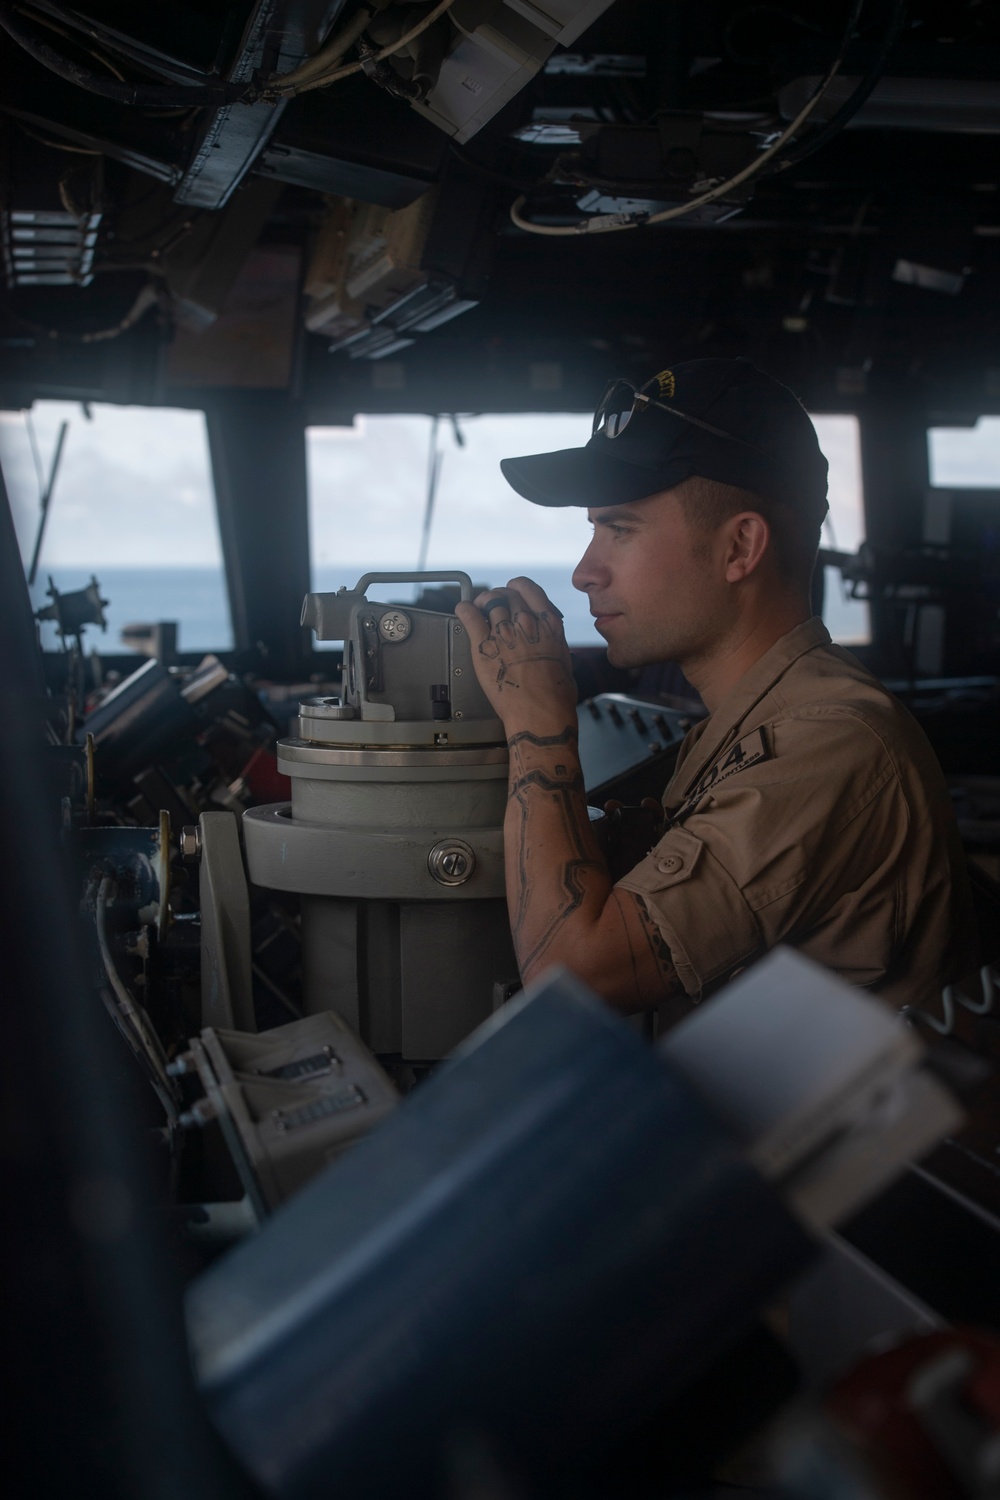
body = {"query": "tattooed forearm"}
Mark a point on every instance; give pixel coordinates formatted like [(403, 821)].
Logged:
[(652, 974), (568, 736), (537, 915), (553, 863), (559, 887), (563, 907)]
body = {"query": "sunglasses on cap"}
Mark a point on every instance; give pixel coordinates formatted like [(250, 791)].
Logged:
[(622, 400)]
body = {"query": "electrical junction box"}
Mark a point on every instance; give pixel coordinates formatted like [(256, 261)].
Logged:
[(503, 44), (288, 1101)]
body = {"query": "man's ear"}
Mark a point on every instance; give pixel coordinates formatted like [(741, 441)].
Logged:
[(748, 540)]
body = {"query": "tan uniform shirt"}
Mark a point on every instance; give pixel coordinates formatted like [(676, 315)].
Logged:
[(809, 809)]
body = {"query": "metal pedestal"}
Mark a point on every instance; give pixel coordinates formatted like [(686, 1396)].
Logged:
[(393, 838)]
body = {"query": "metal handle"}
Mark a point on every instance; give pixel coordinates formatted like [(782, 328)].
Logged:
[(361, 587)]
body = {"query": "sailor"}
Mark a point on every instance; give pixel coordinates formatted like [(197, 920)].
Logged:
[(807, 808)]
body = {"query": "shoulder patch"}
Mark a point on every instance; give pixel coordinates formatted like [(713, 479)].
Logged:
[(749, 751)]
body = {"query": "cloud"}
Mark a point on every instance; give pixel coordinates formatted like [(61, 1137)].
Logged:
[(368, 497), (134, 487)]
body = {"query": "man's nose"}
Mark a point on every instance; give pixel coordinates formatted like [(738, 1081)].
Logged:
[(589, 572)]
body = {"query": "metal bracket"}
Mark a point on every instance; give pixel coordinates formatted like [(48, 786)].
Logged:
[(226, 974)]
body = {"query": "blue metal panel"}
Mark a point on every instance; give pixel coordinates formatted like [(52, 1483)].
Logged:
[(549, 1236), (278, 36)]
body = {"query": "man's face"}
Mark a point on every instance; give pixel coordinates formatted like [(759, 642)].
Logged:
[(655, 586)]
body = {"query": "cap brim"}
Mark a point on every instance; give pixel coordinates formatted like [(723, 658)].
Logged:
[(581, 476)]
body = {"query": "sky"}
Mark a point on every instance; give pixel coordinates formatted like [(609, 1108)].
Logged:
[(966, 457), (377, 473), (134, 486)]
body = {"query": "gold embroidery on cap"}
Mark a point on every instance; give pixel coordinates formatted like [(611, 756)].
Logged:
[(666, 382)]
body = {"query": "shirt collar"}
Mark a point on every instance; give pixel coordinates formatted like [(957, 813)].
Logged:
[(751, 688)]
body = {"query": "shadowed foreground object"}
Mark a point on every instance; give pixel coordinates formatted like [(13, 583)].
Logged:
[(470, 1269), (102, 1402), (557, 1233)]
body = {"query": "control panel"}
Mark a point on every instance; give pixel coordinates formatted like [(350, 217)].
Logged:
[(628, 746)]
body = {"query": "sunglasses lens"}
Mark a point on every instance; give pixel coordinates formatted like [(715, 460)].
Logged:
[(616, 410)]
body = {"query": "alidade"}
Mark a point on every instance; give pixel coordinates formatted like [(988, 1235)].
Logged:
[(393, 838)]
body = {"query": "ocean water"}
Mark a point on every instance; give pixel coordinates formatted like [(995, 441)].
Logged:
[(196, 599)]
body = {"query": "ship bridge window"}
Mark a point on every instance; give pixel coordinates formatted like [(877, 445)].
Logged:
[(368, 504), (848, 620), (133, 503), (369, 486), (965, 458)]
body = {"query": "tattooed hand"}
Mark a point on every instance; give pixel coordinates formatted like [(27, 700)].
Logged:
[(563, 908), (521, 657)]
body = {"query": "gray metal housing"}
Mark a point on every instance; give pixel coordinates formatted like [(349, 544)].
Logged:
[(394, 835)]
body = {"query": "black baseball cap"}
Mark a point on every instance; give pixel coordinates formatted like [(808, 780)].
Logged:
[(722, 419)]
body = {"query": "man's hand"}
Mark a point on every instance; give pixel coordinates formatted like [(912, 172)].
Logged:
[(521, 658), (559, 891)]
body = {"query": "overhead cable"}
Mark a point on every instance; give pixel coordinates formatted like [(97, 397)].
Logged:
[(328, 55), (152, 95), (854, 100), (613, 223), (90, 51), (280, 85)]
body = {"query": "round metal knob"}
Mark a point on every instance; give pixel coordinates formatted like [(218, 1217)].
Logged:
[(394, 626), (451, 862)]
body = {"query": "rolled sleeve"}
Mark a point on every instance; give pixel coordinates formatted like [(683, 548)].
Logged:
[(701, 912)]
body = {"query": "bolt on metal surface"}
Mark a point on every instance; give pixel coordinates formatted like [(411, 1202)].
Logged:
[(451, 862)]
